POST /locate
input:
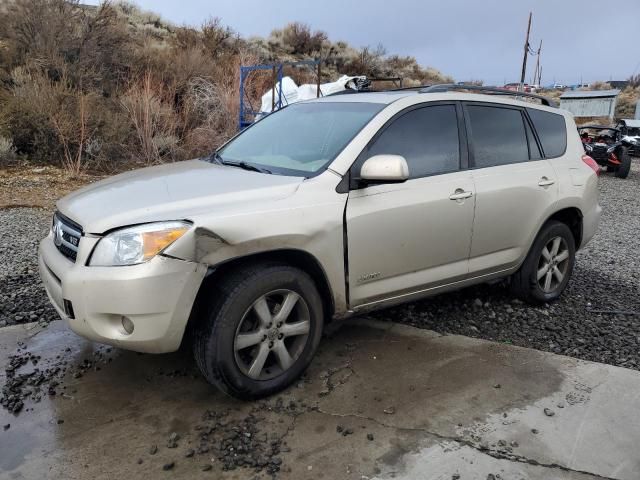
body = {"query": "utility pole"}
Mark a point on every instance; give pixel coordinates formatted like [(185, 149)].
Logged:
[(526, 52), (540, 76), (536, 74)]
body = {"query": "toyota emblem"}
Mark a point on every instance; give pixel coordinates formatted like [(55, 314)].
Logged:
[(57, 233)]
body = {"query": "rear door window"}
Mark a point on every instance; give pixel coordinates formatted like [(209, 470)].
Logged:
[(426, 137), (498, 135), (552, 131)]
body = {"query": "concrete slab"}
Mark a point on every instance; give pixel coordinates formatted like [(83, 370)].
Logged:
[(413, 405)]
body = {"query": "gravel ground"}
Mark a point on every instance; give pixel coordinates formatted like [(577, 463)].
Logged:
[(22, 296), (597, 318)]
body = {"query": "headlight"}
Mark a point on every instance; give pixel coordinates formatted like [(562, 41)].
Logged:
[(130, 246)]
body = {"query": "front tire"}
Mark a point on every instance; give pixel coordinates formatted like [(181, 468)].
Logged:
[(625, 163), (261, 330), (548, 266)]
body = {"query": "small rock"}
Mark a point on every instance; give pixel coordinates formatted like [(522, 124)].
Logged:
[(370, 437), (491, 476), (477, 303), (347, 431), (339, 428), (168, 466), (206, 468), (514, 444), (548, 412), (497, 385), (140, 461), (390, 410), (153, 450), (535, 431), (455, 476), (190, 453), (173, 440), (560, 405), (7, 426)]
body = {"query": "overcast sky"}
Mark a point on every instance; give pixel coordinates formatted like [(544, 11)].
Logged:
[(469, 39)]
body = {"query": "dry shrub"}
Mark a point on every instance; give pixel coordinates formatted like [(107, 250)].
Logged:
[(71, 122), (53, 121), (148, 108), (93, 87), (7, 151), (215, 106), (297, 39), (627, 101)]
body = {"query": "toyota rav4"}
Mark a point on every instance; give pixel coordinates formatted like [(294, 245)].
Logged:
[(323, 210)]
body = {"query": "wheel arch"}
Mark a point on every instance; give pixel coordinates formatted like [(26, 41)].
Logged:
[(572, 217), (301, 259)]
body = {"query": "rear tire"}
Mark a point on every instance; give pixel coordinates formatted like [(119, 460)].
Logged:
[(547, 268), (257, 312), (625, 163)]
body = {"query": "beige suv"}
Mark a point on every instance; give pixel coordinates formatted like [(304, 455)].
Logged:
[(320, 211)]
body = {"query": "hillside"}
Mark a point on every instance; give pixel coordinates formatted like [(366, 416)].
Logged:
[(103, 88)]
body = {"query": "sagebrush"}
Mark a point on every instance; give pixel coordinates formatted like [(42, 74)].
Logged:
[(103, 87)]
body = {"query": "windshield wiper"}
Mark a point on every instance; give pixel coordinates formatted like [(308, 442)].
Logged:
[(217, 158), (243, 165)]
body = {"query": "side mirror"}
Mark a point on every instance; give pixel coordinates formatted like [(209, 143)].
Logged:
[(384, 169)]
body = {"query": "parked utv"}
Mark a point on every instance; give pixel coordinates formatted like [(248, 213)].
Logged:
[(607, 147), (630, 132)]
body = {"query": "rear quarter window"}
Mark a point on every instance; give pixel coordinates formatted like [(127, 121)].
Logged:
[(552, 131)]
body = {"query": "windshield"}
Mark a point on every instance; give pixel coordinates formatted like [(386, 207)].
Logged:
[(301, 139)]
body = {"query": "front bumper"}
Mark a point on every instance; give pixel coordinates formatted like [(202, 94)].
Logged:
[(156, 296)]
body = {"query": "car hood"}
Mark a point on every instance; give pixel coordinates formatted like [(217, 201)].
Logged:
[(170, 192)]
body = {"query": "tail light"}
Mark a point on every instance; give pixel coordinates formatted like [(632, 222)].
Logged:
[(592, 163)]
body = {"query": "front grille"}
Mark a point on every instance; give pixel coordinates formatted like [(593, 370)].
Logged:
[(66, 236)]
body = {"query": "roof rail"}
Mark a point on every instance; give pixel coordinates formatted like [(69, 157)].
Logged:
[(446, 87)]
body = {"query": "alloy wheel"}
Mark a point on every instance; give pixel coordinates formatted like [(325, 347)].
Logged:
[(553, 264), (272, 334)]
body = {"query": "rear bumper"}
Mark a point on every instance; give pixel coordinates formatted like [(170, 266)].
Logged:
[(590, 221), (156, 296)]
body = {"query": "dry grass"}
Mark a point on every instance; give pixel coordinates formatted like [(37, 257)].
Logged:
[(24, 186)]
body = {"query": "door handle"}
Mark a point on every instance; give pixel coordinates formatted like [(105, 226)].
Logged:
[(460, 194), (545, 182)]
